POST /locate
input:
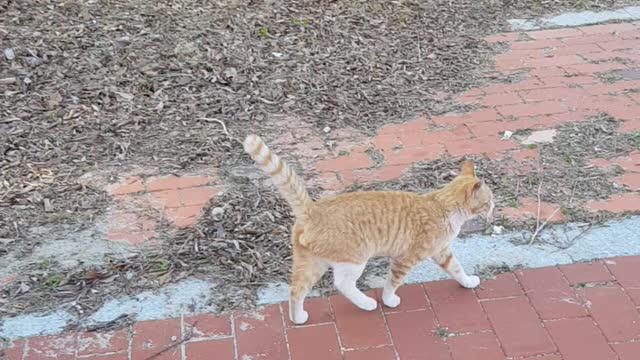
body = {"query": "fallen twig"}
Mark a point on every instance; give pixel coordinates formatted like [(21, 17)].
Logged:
[(182, 341), (540, 227), (224, 127), (117, 323), (581, 234)]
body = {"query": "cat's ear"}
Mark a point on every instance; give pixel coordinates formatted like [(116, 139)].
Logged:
[(477, 185), (467, 168), (472, 189)]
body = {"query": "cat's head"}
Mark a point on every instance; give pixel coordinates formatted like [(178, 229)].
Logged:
[(476, 196)]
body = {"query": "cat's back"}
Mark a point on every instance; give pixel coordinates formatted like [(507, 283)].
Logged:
[(363, 207), (366, 199), (363, 224)]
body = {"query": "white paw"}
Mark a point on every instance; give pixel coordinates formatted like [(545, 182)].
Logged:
[(367, 304), (470, 282), (300, 318), (391, 301)]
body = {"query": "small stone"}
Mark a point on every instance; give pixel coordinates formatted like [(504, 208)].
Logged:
[(229, 73), (174, 338), (34, 61), (217, 213), (48, 207), (507, 135), (27, 81), (123, 40), (497, 229), (9, 54), (541, 136), (186, 48), (326, 129)]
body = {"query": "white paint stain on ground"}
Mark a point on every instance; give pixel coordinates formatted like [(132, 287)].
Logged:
[(98, 341), (576, 19)]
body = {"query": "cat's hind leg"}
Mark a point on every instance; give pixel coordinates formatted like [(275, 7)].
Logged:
[(345, 276), (306, 271), (452, 266), (400, 267)]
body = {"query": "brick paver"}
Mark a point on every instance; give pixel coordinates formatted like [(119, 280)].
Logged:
[(504, 318)]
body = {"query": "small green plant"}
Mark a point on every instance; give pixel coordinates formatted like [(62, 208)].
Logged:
[(302, 22), (163, 265), (45, 264), (54, 280), (343, 153), (376, 157), (264, 31), (566, 211), (443, 332), (533, 146), (568, 159), (402, 20)]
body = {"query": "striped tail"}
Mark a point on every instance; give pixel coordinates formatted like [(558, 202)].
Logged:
[(287, 181)]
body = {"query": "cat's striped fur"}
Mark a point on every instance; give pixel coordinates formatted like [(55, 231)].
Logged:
[(344, 231)]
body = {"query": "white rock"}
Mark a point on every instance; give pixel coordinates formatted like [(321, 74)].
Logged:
[(217, 213), (326, 129), (507, 135), (541, 136), (9, 54)]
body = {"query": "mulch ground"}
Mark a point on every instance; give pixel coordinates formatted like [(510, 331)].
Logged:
[(110, 85)]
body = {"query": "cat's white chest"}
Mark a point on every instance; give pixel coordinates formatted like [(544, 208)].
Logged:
[(456, 220)]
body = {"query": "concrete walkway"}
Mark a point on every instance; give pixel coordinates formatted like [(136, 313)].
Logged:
[(584, 311)]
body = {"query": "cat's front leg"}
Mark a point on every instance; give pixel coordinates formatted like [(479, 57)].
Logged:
[(400, 267), (452, 266)]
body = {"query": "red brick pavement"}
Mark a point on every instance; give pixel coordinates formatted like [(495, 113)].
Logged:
[(584, 311)]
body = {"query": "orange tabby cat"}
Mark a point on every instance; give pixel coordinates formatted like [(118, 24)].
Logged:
[(344, 231)]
